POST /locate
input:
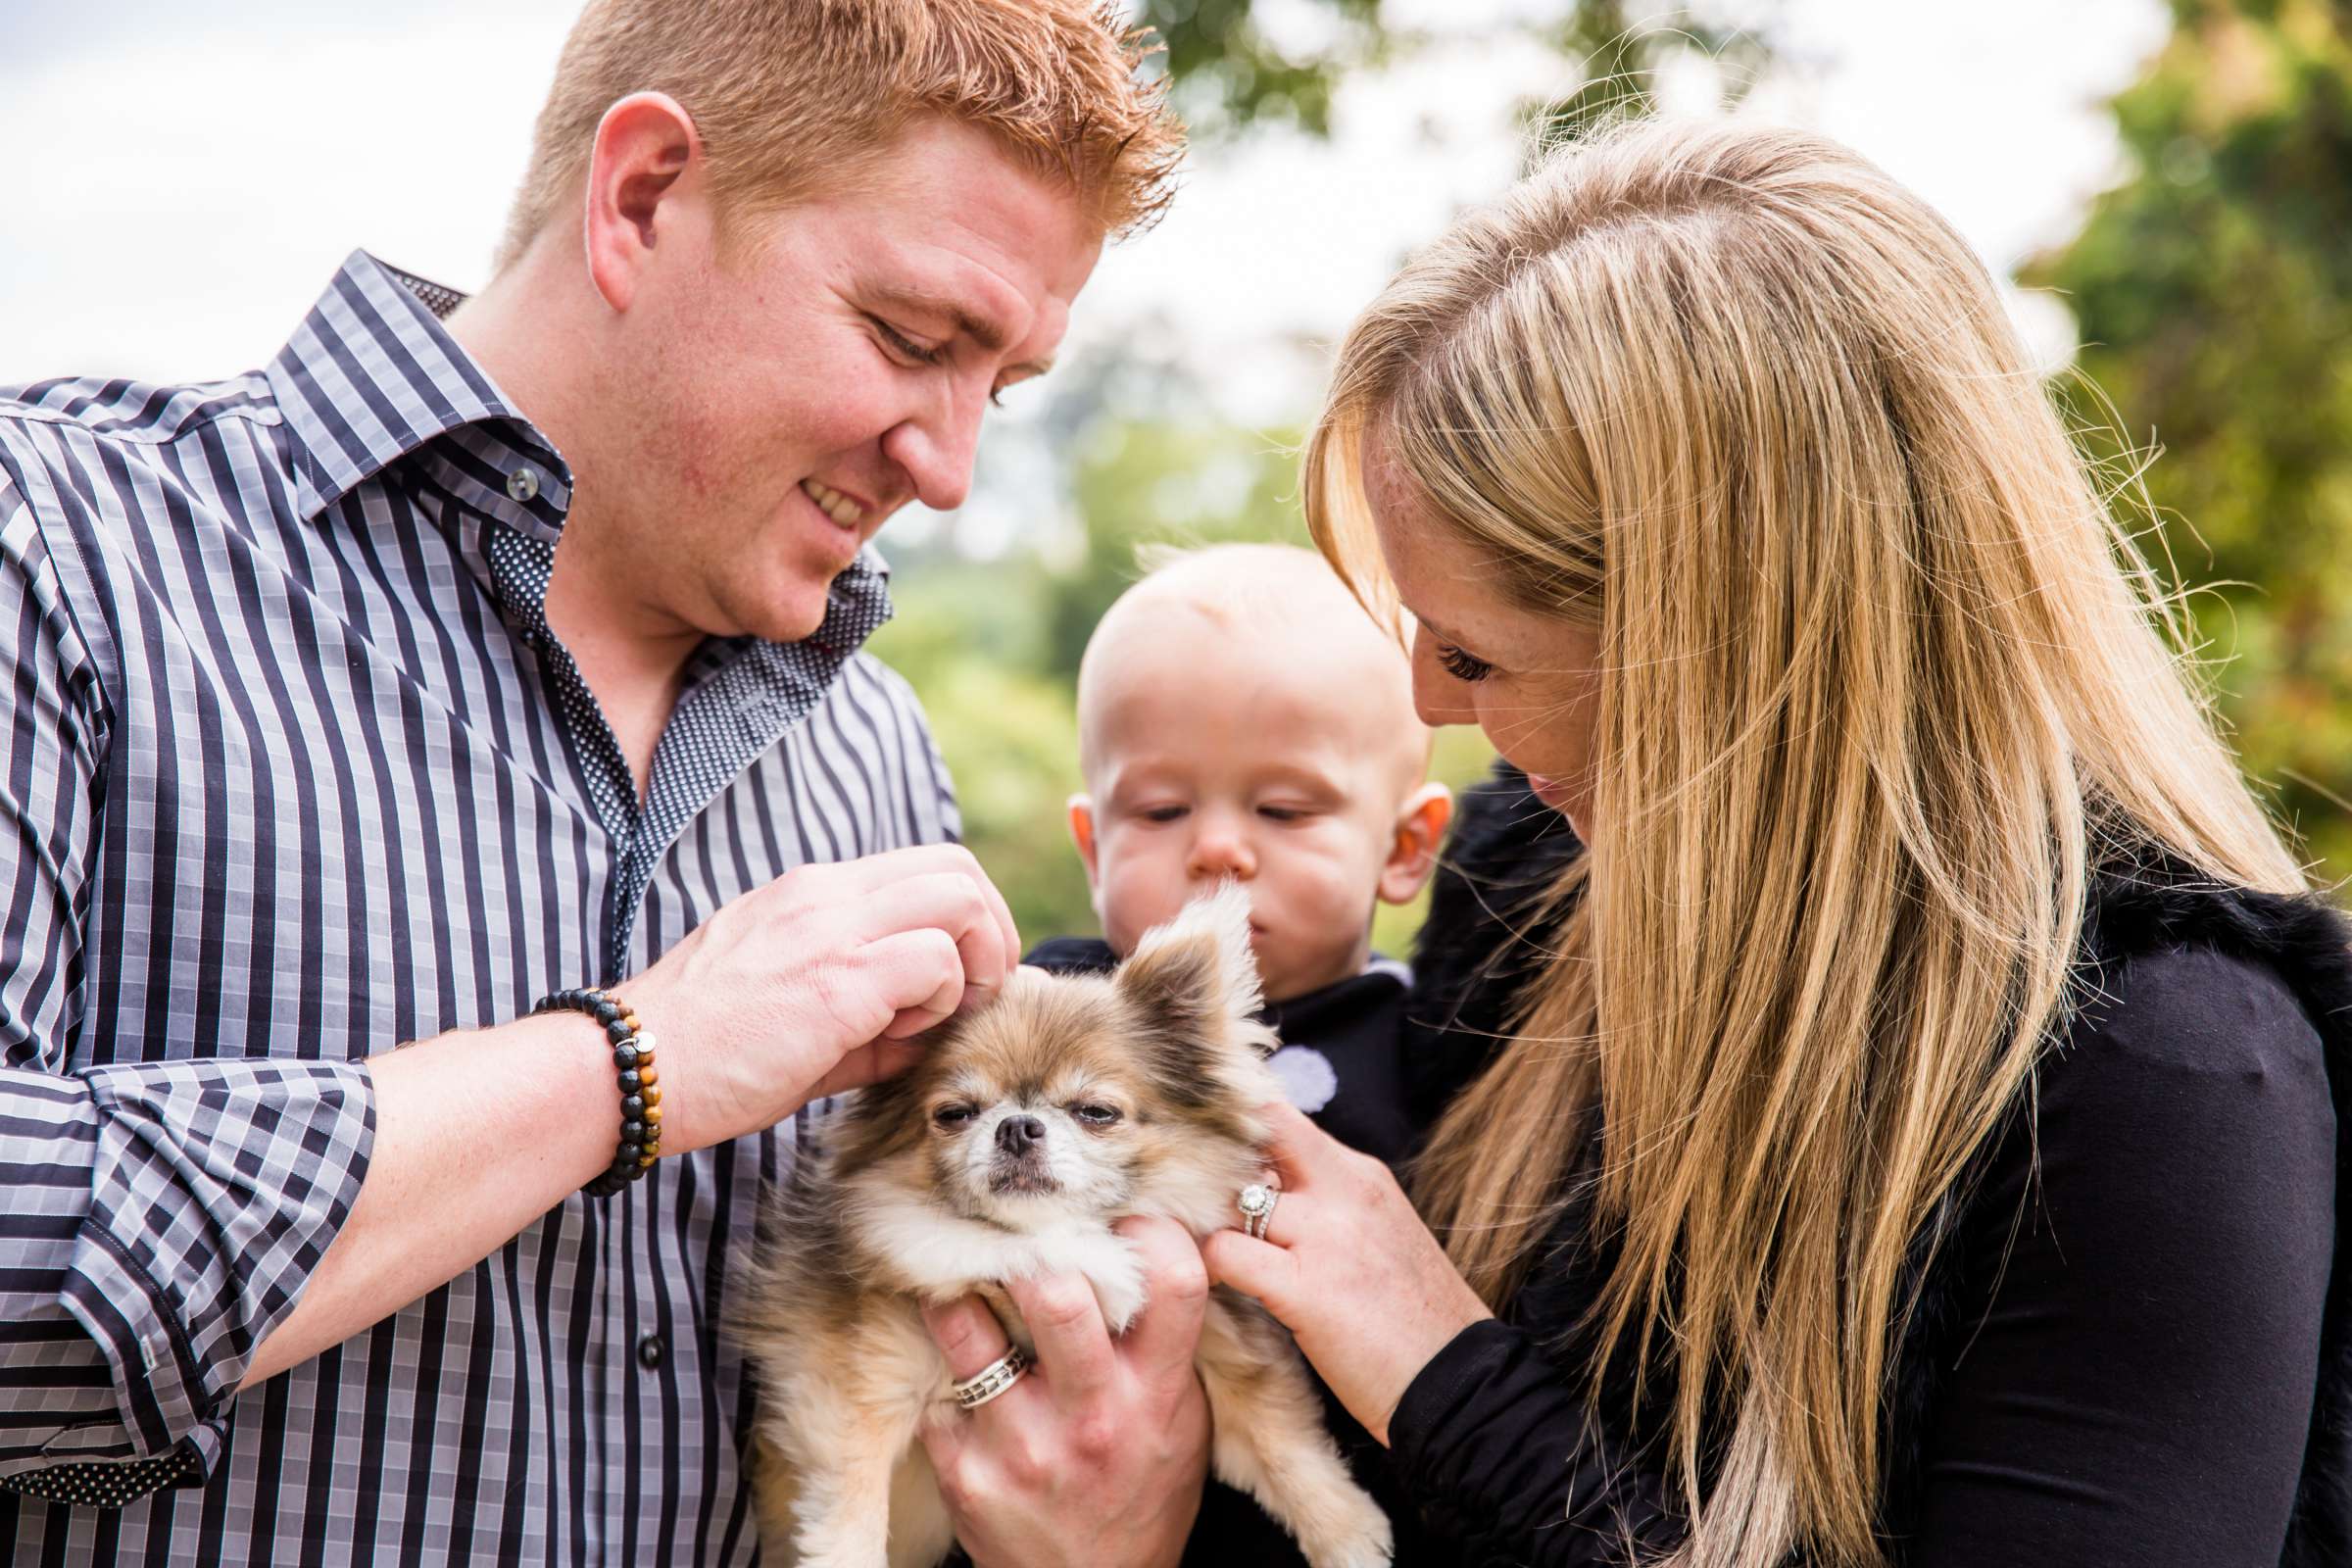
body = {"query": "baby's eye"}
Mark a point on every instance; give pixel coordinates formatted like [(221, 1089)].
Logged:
[(1094, 1115), (952, 1117), (1285, 813), (1163, 813)]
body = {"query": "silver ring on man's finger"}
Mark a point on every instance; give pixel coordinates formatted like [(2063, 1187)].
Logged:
[(992, 1380), (1257, 1205)]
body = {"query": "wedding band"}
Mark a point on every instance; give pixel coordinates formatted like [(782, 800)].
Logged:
[(1257, 1205), (991, 1380)]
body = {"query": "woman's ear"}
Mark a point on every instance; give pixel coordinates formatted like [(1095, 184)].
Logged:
[(1413, 848), (644, 146), (1082, 834)]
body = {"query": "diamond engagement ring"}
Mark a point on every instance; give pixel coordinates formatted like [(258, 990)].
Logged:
[(992, 1380), (1257, 1205)]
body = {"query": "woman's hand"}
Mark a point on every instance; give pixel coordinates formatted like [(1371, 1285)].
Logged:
[(1099, 1453), (1349, 1269)]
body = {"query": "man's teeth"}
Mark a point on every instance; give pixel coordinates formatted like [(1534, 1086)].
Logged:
[(840, 507)]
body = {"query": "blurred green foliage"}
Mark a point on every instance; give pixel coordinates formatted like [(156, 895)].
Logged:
[(1231, 72), (1623, 58), (2213, 291)]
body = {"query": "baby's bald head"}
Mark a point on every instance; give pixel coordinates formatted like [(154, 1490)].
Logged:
[(1240, 715), (1274, 612)]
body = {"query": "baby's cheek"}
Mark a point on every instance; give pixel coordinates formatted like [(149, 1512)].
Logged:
[(1139, 892), (1328, 882)]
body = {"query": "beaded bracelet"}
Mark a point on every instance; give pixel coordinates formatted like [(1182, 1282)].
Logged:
[(640, 1091)]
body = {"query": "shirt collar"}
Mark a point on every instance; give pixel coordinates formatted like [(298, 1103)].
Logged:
[(372, 376)]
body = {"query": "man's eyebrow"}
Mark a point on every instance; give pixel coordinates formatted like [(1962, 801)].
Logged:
[(981, 330)]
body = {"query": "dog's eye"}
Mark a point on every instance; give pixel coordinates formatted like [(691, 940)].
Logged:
[(1095, 1115), (952, 1116)]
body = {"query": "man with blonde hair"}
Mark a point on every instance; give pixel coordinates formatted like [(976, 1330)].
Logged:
[(482, 651)]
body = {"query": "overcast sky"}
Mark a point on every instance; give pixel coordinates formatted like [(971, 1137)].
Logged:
[(188, 175)]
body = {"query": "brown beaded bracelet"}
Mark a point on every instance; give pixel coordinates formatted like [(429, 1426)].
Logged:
[(640, 1084)]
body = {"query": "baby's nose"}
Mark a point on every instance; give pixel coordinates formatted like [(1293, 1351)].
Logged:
[(1220, 853)]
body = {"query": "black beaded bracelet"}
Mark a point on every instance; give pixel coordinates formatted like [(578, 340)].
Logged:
[(640, 1084)]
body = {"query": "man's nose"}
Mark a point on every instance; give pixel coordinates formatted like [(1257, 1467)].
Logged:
[(937, 446)]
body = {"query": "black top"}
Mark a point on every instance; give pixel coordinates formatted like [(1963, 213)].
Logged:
[(2117, 1354)]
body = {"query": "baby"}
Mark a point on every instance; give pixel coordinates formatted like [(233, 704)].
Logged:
[(1239, 717)]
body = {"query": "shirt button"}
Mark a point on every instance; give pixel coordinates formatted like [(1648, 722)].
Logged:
[(650, 1351), (524, 483)]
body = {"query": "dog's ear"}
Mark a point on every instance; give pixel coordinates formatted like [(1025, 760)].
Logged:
[(1196, 975)]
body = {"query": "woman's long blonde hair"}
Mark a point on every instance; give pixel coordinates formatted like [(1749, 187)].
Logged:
[(1881, 682)]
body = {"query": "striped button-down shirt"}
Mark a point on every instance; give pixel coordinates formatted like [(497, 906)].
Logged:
[(295, 772)]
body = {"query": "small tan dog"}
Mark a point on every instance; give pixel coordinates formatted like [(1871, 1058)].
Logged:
[(1007, 1152)]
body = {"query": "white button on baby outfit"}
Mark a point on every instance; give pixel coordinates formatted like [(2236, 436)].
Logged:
[(524, 483), (1306, 1076)]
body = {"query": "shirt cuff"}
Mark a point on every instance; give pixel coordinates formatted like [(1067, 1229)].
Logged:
[(1468, 1360), (1496, 1442), (217, 1187)]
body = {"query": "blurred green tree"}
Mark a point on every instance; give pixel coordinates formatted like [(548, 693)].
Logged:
[(2213, 291), (1230, 73), (1235, 65)]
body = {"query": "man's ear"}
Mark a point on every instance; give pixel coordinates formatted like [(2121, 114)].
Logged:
[(1196, 975), (1413, 848), (1082, 834), (644, 148)]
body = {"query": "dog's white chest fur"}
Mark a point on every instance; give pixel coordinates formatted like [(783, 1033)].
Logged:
[(941, 1256)]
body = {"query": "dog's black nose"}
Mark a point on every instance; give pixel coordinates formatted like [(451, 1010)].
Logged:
[(1014, 1134)]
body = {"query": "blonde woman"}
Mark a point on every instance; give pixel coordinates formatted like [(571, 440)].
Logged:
[(1902, 1131)]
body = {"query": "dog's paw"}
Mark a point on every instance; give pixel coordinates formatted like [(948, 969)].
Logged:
[(1119, 1288), (1356, 1534)]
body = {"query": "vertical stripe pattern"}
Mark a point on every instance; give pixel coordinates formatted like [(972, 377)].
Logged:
[(295, 772)]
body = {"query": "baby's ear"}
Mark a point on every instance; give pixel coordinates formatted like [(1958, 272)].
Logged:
[(1197, 974), (1081, 808), (1421, 824)]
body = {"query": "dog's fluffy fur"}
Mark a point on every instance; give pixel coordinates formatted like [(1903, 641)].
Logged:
[(1007, 1153)]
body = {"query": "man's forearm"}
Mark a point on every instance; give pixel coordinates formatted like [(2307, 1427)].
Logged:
[(477, 1134), (803, 987)]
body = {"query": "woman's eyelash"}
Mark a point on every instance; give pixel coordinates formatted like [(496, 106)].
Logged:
[(1463, 666)]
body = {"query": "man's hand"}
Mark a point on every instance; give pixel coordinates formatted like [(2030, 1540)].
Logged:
[(815, 983), (1099, 1455)]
